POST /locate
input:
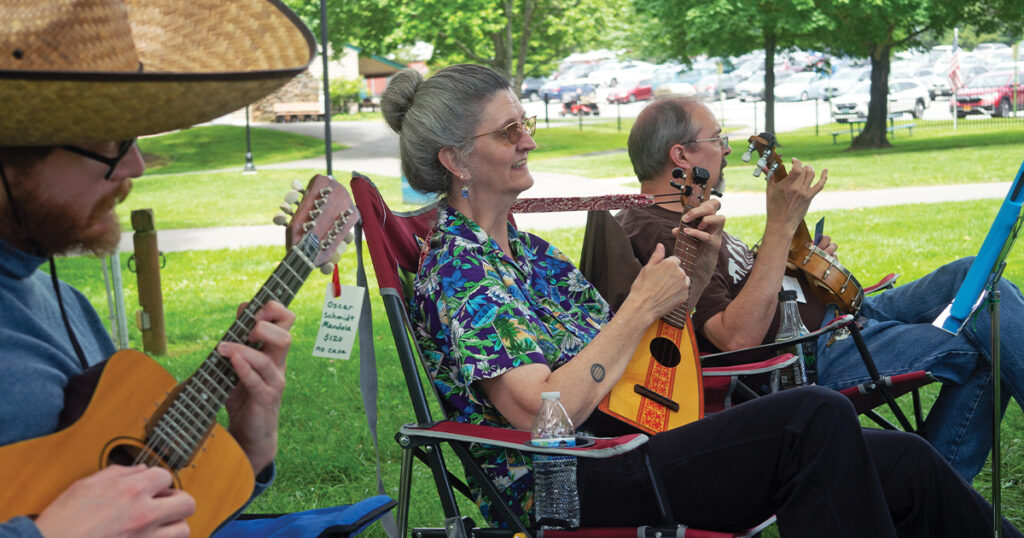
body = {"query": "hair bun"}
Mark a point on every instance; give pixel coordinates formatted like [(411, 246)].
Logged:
[(398, 97)]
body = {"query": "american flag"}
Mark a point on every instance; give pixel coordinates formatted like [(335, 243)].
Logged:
[(955, 81)]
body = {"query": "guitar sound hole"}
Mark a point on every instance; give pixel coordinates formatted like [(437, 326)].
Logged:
[(123, 455), (665, 352)]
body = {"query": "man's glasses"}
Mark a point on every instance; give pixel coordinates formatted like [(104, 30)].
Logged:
[(722, 139), (514, 131), (122, 149)]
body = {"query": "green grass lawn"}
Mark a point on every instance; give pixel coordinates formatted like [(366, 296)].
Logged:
[(217, 147), (326, 454)]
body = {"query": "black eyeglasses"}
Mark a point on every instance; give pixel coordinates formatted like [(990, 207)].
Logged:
[(514, 131), (723, 140), (122, 149)]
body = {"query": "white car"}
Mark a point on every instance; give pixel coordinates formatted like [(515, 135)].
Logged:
[(796, 87), (610, 76), (905, 96), (839, 83)]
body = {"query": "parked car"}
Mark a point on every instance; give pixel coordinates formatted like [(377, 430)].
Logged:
[(752, 89), (992, 93), (796, 87), (611, 75), (631, 92), (554, 90), (675, 82), (905, 96), (531, 88), (839, 83), (717, 85)]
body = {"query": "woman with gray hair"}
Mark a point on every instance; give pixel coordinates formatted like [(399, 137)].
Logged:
[(502, 316)]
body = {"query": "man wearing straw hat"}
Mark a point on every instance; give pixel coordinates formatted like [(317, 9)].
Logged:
[(79, 81)]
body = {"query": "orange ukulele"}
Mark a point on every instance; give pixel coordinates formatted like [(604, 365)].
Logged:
[(661, 388), (831, 282), (137, 413)]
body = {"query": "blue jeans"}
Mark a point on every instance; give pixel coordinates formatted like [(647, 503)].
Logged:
[(901, 338)]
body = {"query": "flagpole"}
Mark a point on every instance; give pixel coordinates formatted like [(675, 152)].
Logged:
[(954, 65)]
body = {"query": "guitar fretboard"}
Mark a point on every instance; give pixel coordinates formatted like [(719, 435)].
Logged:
[(193, 411)]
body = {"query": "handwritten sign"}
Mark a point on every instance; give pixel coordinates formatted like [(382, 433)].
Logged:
[(339, 322)]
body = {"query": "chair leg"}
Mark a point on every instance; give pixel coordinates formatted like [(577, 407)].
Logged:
[(877, 384), (404, 491), (660, 493)]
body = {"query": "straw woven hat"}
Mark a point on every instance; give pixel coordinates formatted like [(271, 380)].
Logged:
[(78, 71)]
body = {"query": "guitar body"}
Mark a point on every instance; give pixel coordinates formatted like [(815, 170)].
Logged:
[(131, 389), (667, 364)]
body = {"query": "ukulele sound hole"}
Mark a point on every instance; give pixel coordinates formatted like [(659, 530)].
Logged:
[(665, 352)]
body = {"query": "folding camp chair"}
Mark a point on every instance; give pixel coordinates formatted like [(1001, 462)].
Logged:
[(393, 240), (724, 373)]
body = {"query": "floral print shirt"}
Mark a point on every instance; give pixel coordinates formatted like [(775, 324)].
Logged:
[(478, 313)]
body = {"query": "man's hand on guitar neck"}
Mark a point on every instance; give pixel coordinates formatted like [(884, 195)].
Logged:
[(119, 501), (254, 405)]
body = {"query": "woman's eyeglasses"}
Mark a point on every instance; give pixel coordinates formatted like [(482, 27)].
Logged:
[(122, 149), (514, 131)]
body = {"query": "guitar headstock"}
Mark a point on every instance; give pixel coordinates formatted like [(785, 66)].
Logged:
[(321, 222), (770, 162), (693, 186)]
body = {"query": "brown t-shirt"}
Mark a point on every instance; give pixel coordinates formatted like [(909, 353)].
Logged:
[(647, 226)]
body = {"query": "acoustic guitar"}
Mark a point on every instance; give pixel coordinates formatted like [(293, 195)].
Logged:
[(661, 388), (139, 414), (831, 282)]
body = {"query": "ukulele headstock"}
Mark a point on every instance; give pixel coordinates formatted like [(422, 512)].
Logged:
[(692, 186), (770, 162), (322, 220)]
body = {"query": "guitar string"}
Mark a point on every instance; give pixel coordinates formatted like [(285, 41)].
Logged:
[(170, 431)]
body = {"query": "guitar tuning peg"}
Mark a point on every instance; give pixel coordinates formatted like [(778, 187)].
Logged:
[(292, 197), (281, 219), (757, 172), (298, 186), (336, 257), (762, 163), (746, 156), (349, 237), (327, 268), (287, 209)]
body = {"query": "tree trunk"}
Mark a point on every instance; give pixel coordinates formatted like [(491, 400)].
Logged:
[(769, 82), (874, 134)]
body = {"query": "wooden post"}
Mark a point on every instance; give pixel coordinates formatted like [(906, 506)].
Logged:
[(150, 318)]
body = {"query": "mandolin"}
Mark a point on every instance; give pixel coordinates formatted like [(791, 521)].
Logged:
[(139, 414), (661, 388), (831, 282)]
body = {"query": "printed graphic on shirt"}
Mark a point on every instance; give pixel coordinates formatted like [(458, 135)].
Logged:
[(740, 258)]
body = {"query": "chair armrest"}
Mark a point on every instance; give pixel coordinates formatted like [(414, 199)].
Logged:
[(448, 430), (729, 358), (761, 367), (889, 281)]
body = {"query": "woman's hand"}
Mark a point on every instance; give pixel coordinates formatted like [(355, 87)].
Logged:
[(661, 286)]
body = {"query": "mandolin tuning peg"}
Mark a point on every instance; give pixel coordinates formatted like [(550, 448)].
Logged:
[(335, 257), (349, 237), (287, 209), (746, 156), (757, 172), (297, 185), (327, 268), (292, 197), (281, 219)]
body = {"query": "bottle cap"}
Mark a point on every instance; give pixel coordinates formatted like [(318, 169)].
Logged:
[(787, 295), (550, 395)]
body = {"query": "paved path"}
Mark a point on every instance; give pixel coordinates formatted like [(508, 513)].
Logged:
[(374, 148)]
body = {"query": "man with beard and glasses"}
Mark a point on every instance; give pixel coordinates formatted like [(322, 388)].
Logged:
[(739, 307), (80, 80)]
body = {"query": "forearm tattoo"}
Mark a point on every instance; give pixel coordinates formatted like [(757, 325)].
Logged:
[(597, 372)]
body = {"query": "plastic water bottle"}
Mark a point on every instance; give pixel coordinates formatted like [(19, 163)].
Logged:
[(556, 500), (791, 326)]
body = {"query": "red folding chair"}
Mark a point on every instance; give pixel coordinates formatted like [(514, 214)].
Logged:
[(394, 241)]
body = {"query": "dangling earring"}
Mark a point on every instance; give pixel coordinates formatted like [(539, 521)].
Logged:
[(465, 186)]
